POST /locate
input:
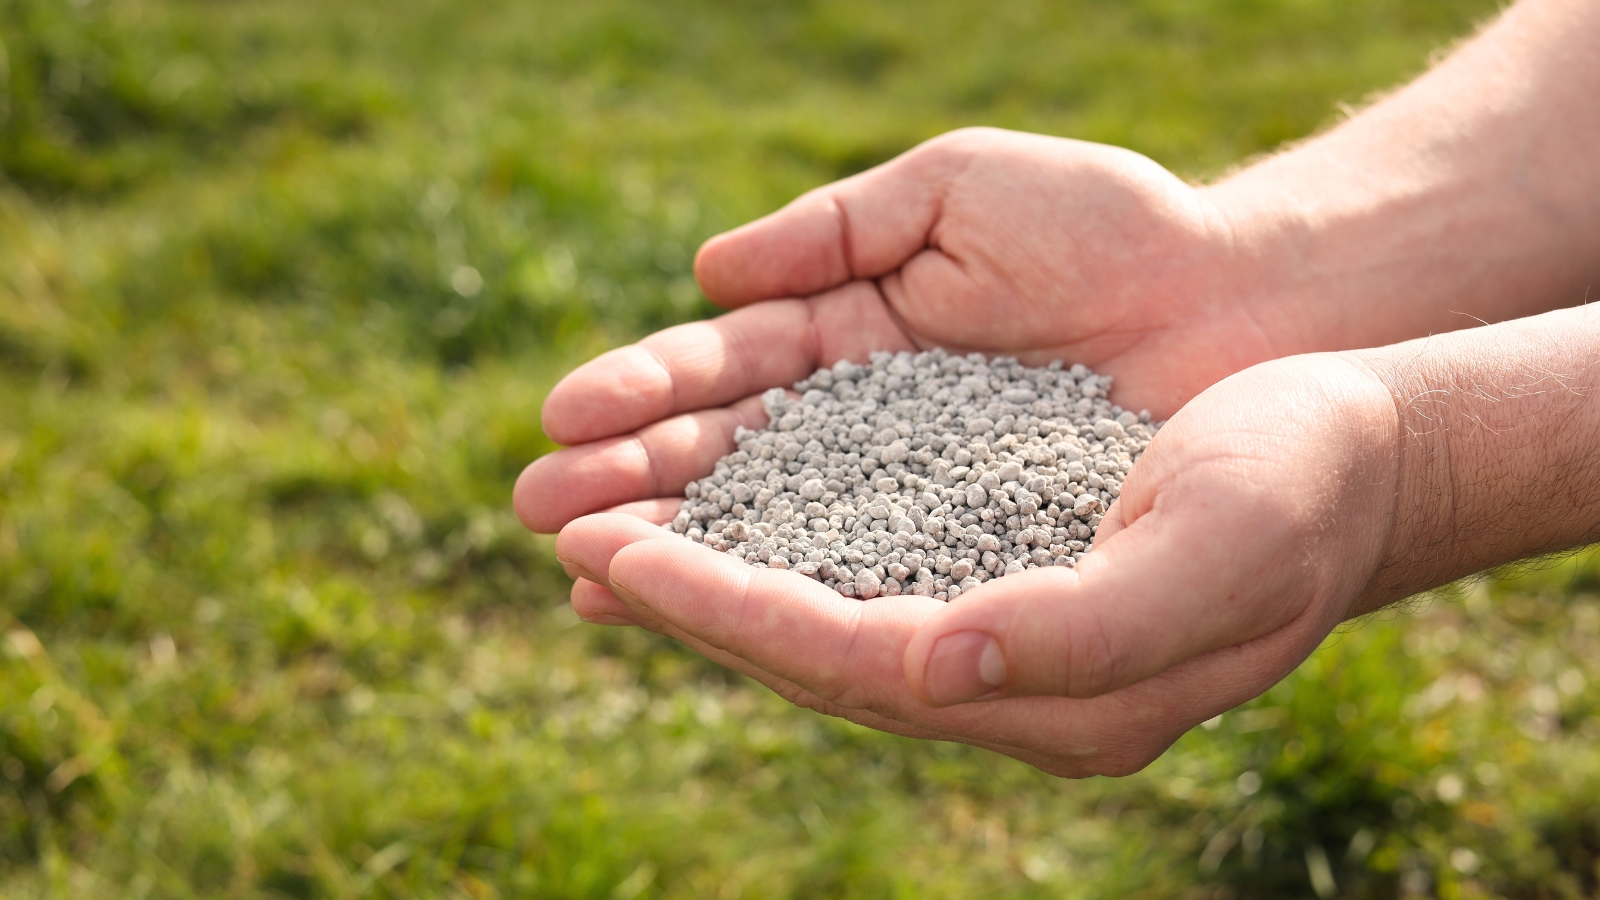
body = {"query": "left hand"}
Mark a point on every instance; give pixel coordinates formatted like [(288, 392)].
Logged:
[(1212, 577)]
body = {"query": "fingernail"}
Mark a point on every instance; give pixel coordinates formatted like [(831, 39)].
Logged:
[(963, 666)]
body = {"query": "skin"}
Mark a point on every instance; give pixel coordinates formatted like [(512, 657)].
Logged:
[(1299, 482)]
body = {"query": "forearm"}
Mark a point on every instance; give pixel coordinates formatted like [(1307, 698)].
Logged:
[(1471, 194), (1498, 455)]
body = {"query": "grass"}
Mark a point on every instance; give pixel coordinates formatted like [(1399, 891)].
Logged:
[(281, 288)]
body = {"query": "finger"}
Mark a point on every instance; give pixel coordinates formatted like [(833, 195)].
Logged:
[(589, 546), (707, 364), (657, 460), (597, 605), (842, 650), (861, 227), (585, 547), (1167, 587), (656, 511), (687, 367), (779, 624)]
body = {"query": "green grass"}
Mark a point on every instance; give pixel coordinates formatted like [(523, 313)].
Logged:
[(282, 285)]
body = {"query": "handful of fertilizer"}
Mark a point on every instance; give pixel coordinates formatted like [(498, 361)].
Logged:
[(921, 473)]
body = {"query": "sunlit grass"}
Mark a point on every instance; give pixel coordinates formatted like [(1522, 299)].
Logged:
[(281, 288)]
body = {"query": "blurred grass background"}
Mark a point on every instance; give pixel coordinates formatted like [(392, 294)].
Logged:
[(282, 285)]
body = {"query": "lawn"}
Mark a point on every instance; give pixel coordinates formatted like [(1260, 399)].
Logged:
[(282, 286)]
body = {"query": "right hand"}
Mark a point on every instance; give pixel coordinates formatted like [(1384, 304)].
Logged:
[(985, 240)]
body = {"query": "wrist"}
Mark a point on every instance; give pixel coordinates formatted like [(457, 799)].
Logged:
[(1269, 249), (1498, 449)]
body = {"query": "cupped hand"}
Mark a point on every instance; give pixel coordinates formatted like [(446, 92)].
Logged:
[(981, 240), (1259, 518)]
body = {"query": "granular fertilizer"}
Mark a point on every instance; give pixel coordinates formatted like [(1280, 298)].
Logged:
[(920, 473)]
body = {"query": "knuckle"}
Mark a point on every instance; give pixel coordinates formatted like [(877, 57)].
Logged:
[(644, 463)]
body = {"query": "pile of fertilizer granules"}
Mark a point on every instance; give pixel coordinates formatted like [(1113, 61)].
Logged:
[(924, 474)]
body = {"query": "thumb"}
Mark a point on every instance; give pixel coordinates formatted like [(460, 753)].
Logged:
[(862, 227), (1167, 587)]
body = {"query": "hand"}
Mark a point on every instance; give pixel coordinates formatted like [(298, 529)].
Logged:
[(1214, 574), (983, 240), (1020, 244)]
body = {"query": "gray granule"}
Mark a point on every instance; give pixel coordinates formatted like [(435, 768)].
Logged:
[(921, 473)]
